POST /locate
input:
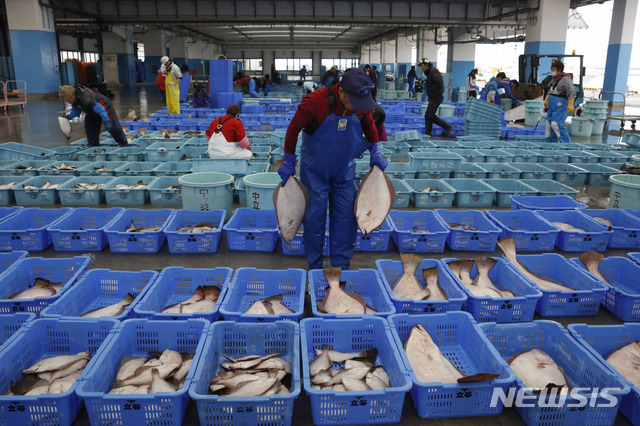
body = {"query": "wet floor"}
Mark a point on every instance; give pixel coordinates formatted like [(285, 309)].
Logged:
[(38, 126)]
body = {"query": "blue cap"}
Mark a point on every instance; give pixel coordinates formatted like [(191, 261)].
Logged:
[(357, 85)]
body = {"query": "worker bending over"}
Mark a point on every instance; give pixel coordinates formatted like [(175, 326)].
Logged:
[(559, 103), (227, 138), (496, 87)]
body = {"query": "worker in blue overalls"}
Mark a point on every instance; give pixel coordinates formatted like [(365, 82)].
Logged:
[(333, 120), (559, 103)]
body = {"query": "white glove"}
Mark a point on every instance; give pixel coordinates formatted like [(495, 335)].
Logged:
[(173, 83)]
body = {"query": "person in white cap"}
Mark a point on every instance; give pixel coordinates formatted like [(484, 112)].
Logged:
[(172, 77)]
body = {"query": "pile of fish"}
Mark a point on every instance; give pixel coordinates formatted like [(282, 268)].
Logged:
[(408, 287), (269, 306), (204, 299), (359, 372), (508, 247), (8, 185), (290, 202), (40, 288), (159, 372), (131, 116), (25, 168), (481, 286), (47, 185), (604, 222), (63, 166), (252, 375), (91, 185), (625, 361), (430, 365), (54, 374), (538, 371), (591, 260), (375, 197), (134, 228), (173, 187), (129, 138), (455, 225), (139, 185), (198, 228), (113, 310), (567, 227), (429, 190), (339, 301), (191, 132)]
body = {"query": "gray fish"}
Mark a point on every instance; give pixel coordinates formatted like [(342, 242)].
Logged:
[(57, 362), (375, 198), (567, 227), (39, 388), (114, 310), (50, 376), (63, 384), (253, 388), (626, 360), (24, 384), (382, 375)]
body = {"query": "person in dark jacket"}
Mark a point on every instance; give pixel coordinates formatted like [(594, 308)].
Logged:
[(434, 87), (200, 97), (373, 75), (328, 77), (97, 109), (411, 79)]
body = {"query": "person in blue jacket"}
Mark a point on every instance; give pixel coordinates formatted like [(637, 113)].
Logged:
[(253, 86), (303, 73), (496, 87), (97, 108), (411, 79), (268, 85)]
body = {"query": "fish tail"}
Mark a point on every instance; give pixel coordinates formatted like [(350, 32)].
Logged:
[(332, 275), (484, 264), (591, 258), (430, 273), (410, 261), (508, 247)]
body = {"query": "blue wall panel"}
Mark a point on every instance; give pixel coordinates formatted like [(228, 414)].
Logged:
[(617, 70), (35, 60), (459, 72)]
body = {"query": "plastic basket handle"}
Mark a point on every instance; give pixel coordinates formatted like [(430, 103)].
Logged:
[(232, 188)]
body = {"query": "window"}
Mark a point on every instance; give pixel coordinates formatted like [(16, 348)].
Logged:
[(342, 64), (69, 54), (91, 57), (293, 64), (140, 51), (250, 65)]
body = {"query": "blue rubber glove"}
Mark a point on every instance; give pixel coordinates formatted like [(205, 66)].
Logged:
[(376, 158), (108, 127), (288, 167)]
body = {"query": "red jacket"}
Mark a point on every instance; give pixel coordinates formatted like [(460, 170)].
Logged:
[(160, 81), (316, 105), (232, 129)]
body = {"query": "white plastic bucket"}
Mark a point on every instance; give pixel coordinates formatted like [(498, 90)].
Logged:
[(259, 190), (581, 127), (446, 110), (207, 191), (625, 192)]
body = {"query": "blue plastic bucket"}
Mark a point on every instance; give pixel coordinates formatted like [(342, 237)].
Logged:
[(635, 160), (625, 192), (259, 190), (581, 127), (446, 110), (207, 191)]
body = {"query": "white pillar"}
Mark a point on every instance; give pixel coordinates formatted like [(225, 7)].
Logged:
[(616, 72)]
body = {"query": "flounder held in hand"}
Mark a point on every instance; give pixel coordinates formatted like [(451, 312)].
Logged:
[(375, 198), (290, 202)]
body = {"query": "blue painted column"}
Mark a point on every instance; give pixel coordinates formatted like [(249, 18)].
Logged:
[(34, 49), (547, 32), (616, 72)]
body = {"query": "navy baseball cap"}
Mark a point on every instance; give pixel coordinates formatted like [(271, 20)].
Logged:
[(357, 85)]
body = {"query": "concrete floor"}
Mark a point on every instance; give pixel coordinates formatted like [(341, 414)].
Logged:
[(38, 126)]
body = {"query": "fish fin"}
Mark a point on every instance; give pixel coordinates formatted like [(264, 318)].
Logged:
[(514, 356), (467, 265), (371, 355), (487, 263), (410, 261), (566, 379), (332, 275), (277, 297), (129, 299), (508, 247), (430, 273), (478, 377), (268, 307)]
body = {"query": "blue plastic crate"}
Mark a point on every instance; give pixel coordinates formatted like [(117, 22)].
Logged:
[(418, 231), (434, 162), (581, 368), (38, 340), (136, 168), (7, 212), (470, 155), (583, 300), (67, 152), (365, 282), (498, 144), (6, 194), (601, 341), (7, 260), (27, 229), (398, 149), (251, 284), (252, 230), (459, 339), (551, 188), (391, 270), (12, 323), (177, 284), (121, 241), (90, 169), (595, 236), (625, 227), (160, 194), (523, 155), (408, 135), (472, 192), (472, 144), (598, 174), (82, 229), (507, 187), (23, 273), (550, 156), (93, 154), (99, 288), (127, 196), (23, 168), (19, 151), (545, 203), (400, 171), (501, 171), (582, 157), (190, 152), (530, 232), (377, 240), (496, 155), (130, 153), (164, 151), (403, 193), (519, 308), (470, 171), (239, 339), (484, 239), (442, 198), (39, 197), (353, 335), (138, 338), (532, 170), (183, 243), (605, 157), (49, 170), (568, 174), (72, 196), (623, 294), (296, 246)]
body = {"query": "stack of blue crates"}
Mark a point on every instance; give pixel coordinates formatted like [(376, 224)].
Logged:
[(220, 79), (228, 98), (483, 118)]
